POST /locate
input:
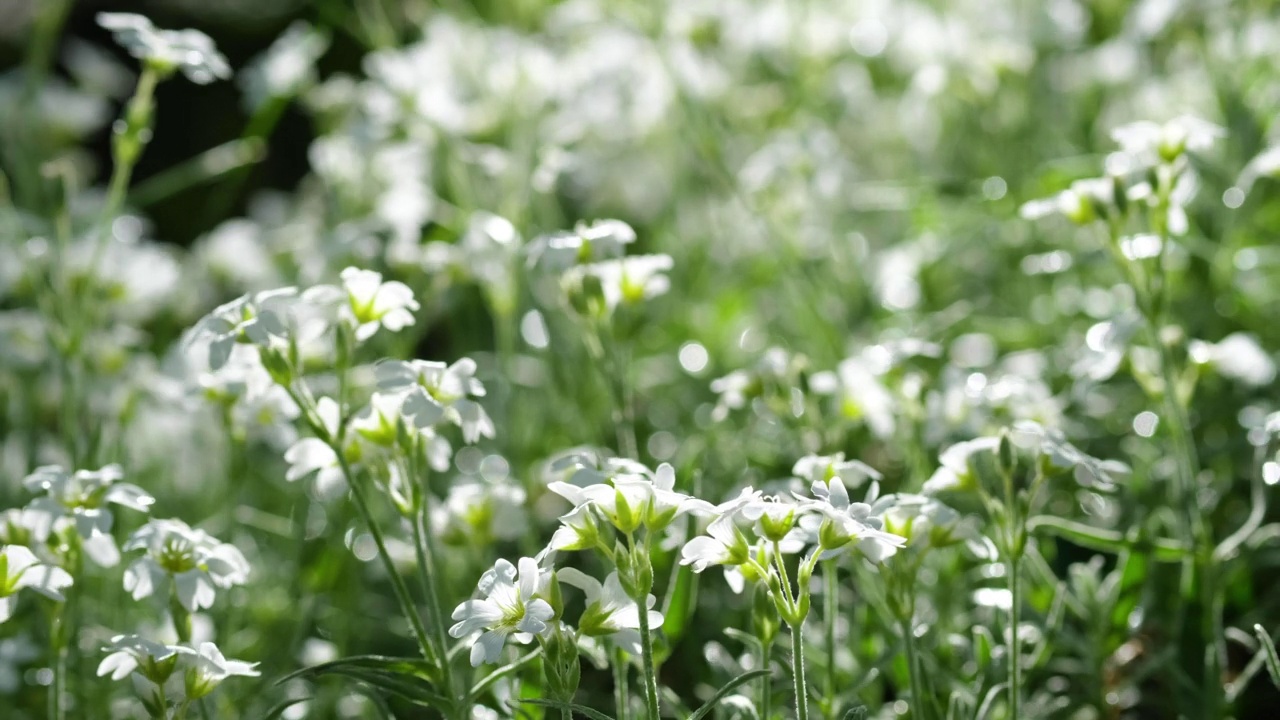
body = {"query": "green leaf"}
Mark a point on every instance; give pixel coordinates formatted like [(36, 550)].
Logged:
[(1107, 541), (729, 687), (1269, 654), (858, 713), (409, 679), (989, 701), (1132, 575), (281, 706), (500, 673), (571, 707), (680, 603)]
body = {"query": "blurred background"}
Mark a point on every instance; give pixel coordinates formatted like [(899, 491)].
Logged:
[(838, 184)]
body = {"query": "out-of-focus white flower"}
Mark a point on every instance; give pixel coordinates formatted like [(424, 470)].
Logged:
[(379, 425), (821, 468), (1238, 356), (79, 500), (253, 319), (436, 391), (1079, 203), (610, 612), (956, 472), (19, 568), (601, 240), (1150, 143), (314, 455), (623, 281), (286, 68), (190, 51), (508, 608), (196, 562), (481, 512), (860, 391), (924, 521), (372, 303)]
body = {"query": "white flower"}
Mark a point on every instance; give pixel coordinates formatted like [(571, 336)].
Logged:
[(635, 497), (437, 391), (508, 608), (923, 520), (577, 531), (481, 511), (206, 668), (1078, 203), (80, 500), (286, 67), (1238, 356), (628, 280), (253, 319), (197, 563), (724, 544), (1150, 143), (128, 654), (820, 468), (373, 303), (601, 240), (609, 611), (19, 568), (860, 391), (845, 522), (379, 425), (190, 51), (955, 472), (313, 455)]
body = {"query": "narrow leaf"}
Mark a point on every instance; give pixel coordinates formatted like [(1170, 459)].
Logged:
[(500, 673), (1269, 653), (989, 701), (279, 708), (409, 679), (1108, 541), (680, 603), (729, 687), (572, 707)]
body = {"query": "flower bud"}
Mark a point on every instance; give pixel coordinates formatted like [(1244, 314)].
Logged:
[(764, 616), (1006, 456), (560, 664), (277, 366)]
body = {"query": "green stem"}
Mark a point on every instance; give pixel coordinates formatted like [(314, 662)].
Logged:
[(58, 648), (1015, 649), (397, 582), (797, 672), (646, 656), (766, 682), (621, 693), (425, 577), (918, 704), (829, 610)]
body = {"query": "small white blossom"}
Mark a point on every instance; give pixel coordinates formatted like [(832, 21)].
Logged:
[(602, 240), (255, 319), (821, 468), (373, 304), (480, 511), (724, 544), (196, 562), (848, 524), (508, 608), (190, 51), (19, 568), (1150, 143), (313, 455), (624, 281), (79, 500), (955, 471), (610, 611), (285, 68), (436, 391), (578, 530), (127, 654), (206, 668)]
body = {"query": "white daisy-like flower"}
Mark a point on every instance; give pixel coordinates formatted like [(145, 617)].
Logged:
[(128, 654), (625, 281), (190, 51), (821, 468), (578, 530), (314, 455), (20, 568), (80, 500), (373, 304), (724, 544), (254, 319), (956, 472), (1150, 143), (379, 425), (436, 392), (508, 608), (610, 612), (924, 521), (601, 240), (196, 562), (206, 668), (848, 524)]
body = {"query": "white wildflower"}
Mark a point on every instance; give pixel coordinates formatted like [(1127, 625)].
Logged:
[(610, 612), (196, 562), (19, 568), (508, 608), (80, 500), (190, 51)]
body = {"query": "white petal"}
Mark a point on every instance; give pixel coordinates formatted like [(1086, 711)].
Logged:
[(488, 648)]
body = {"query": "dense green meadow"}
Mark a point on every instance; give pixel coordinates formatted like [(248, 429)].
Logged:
[(723, 359)]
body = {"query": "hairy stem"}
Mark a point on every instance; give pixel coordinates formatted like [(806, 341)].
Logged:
[(797, 672), (646, 657), (829, 610)]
